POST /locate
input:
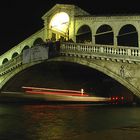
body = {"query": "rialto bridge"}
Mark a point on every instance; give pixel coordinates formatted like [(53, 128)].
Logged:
[(109, 44)]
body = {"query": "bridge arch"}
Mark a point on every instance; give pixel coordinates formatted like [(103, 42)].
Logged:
[(104, 35), (14, 55), (84, 34), (59, 26), (38, 41), (128, 36), (25, 47), (5, 60), (12, 74), (102, 69)]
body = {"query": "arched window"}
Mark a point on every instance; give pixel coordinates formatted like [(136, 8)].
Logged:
[(84, 34), (128, 36), (38, 41), (5, 60), (104, 35), (25, 47), (60, 21), (14, 54)]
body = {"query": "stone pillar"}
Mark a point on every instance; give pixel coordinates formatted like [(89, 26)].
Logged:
[(93, 39), (138, 41), (46, 30), (93, 35), (115, 39)]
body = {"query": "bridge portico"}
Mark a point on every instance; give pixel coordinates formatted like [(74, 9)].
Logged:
[(109, 44)]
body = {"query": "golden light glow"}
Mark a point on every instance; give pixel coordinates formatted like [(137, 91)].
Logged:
[(60, 22)]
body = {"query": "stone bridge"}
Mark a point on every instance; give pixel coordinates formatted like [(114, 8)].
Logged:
[(121, 63), (109, 44)]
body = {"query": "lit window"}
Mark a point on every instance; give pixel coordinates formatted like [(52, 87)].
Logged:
[(60, 22)]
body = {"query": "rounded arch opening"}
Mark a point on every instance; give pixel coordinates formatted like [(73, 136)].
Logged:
[(59, 26), (24, 48), (84, 34), (128, 36), (73, 76), (107, 72), (104, 35), (14, 54), (38, 41), (5, 60)]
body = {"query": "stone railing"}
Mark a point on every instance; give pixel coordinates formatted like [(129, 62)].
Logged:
[(37, 54), (101, 51), (129, 54), (11, 64)]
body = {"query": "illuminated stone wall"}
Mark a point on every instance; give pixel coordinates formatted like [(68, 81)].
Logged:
[(77, 19)]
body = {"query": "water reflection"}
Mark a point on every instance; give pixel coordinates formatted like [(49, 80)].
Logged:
[(56, 122), (63, 122), (11, 123)]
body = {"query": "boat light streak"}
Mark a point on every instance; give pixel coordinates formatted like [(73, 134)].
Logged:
[(54, 93), (47, 89)]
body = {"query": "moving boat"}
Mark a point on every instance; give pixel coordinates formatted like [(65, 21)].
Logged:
[(59, 95)]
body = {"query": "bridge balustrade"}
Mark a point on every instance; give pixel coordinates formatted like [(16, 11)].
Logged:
[(132, 54), (11, 64), (135, 52), (89, 50), (34, 54)]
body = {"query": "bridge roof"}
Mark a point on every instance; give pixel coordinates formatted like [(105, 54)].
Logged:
[(76, 9)]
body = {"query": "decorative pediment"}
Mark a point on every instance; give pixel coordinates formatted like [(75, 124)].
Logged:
[(68, 8)]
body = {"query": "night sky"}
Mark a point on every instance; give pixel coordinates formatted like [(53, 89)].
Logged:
[(21, 18)]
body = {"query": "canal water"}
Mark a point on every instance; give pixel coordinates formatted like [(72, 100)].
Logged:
[(68, 122)]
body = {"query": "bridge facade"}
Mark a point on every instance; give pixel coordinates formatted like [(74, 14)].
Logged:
[(109, 44)]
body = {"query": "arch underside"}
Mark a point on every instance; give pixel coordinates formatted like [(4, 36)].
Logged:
[(80, 61), (16, 71), (101, 69)]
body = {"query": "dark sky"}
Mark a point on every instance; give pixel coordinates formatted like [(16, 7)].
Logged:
[(21, 18)]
